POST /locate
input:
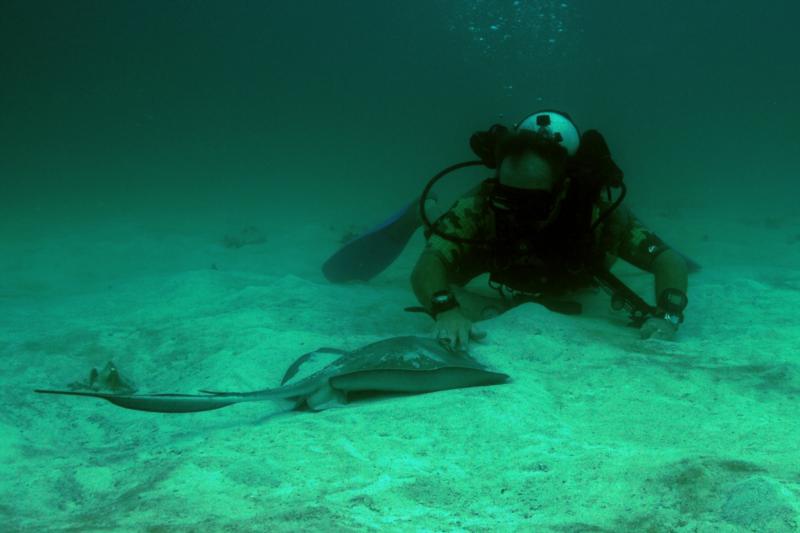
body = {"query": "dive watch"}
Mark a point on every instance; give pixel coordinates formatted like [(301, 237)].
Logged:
[(442, 301), (672, 302)]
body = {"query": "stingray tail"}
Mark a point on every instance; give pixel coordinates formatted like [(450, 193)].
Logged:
[(156, 403), (284, 392)]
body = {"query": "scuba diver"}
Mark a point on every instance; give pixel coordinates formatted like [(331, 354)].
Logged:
[(542, 228)]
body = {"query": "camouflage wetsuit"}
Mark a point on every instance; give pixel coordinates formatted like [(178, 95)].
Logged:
[(558, 259)]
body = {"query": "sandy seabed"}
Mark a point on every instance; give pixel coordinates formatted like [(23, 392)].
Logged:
[(597, 431)]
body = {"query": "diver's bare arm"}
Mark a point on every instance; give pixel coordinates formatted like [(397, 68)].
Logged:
[(670, 272), (430, 276)]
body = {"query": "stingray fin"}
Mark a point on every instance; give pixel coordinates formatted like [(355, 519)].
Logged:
[(300, 361)]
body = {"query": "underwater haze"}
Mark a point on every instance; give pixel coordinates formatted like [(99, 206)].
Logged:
[(114, 108), (173, 175)]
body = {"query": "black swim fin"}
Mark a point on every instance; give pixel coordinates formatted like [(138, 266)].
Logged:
[(369, 254)]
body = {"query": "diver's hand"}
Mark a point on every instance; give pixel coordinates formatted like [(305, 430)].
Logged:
[(455, 330), (658, 328)]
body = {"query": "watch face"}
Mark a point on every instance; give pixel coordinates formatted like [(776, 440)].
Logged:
[(441, 298), (442, 301)]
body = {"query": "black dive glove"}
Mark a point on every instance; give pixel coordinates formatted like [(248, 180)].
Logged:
[(484, 144)]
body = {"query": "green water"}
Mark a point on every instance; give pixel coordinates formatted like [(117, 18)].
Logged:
[(119, 107)]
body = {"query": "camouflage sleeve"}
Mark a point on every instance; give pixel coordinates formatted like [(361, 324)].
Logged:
[(626, 237), (465, 219)]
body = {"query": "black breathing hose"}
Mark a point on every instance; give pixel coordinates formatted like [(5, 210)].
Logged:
[(424, 197)]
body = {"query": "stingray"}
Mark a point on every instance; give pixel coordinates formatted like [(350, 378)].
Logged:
[(399, 365)]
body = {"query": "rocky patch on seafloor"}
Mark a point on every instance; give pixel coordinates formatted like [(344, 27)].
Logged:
[(248, 236), (743, 496)]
